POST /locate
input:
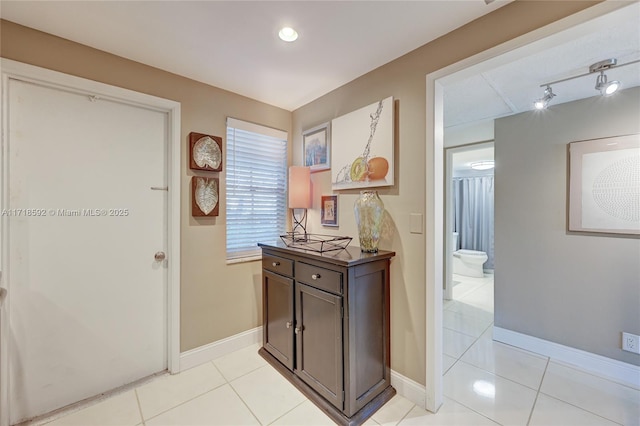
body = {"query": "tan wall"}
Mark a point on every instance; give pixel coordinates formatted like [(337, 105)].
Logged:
[(404, 79), (217, 300)]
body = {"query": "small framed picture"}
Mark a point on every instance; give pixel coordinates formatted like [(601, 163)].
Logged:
[(205, 152), (204, 196), (329, 210), (316, 147)]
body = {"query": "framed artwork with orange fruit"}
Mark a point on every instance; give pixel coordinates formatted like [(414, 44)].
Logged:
[(362, 147)]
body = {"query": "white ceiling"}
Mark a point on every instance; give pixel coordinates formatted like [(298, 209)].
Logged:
[(234, 45), (509, 84), (512, 87), (461, 161)]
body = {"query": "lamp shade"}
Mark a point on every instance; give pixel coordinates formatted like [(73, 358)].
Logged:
[(299, 187)]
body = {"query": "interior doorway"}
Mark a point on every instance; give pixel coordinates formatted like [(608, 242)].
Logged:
[(437, 246), (469, 263)]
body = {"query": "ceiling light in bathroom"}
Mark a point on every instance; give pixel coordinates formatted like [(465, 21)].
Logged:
[(288, 34), (483, 165)]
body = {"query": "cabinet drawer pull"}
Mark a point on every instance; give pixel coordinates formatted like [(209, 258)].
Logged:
[(289, 324), (315, 276), (298, 330), (274, 264)]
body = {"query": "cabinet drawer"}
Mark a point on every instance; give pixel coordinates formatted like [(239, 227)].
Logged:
[(277, 264), (315, 276)]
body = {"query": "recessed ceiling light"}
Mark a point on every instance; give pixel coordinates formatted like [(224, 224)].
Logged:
[(288, 34), (483, 165)]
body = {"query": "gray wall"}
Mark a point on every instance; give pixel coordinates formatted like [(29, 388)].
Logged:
[(577, 290)]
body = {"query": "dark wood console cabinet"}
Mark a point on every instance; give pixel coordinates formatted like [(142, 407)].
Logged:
[(326, 326)]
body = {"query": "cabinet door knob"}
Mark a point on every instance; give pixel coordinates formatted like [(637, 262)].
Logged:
[(275, 264), (298, 330), (289, 324), (315, 276)]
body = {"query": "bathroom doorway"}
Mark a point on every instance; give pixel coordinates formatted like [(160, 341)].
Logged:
[(469, 270)]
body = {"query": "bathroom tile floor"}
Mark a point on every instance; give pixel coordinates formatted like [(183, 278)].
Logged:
[(485, 383)]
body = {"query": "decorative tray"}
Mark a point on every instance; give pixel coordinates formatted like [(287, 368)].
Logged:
[(315, 242)]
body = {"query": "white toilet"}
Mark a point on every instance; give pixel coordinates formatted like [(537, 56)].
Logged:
[(468, 262)]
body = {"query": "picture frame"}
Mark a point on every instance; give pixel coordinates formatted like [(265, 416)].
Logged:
[(329, 210), (316, 147), (205, 196), (603, 185), (205, 152), (363, 147)]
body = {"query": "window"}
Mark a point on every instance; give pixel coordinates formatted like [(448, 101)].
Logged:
[(256, 187)]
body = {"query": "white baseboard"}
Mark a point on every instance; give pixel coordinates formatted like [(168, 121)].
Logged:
[(409, 389), (598, 365), (206, 353)]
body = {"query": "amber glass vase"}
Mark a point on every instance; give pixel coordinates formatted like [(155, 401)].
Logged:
[(369, 211)]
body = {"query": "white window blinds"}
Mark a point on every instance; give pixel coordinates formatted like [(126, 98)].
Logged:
[(256, 187)]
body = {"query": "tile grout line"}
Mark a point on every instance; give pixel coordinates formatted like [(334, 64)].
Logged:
[(471, 345), (184, 402), (573, 405), (469, 335), (498, 375), (226, 382), (135, 391), (284, 414), (476, 412), (190, 399), (582, 409), (535, 401), (242, 375), (403, 417), (245, 404), (579, 370), (549, 361)]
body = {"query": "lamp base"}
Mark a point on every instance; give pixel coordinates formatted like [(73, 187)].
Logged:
[(299, 226)]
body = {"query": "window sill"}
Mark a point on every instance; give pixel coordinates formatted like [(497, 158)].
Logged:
[(251, 258)]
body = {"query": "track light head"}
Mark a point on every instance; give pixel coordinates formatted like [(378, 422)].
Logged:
[(611, 88), (543, 102), (606, 87)]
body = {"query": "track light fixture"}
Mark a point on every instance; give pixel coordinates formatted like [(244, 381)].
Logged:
[(544, 101), (604, 86)]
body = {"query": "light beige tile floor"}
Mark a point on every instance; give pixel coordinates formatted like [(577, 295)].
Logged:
[(485, 383)]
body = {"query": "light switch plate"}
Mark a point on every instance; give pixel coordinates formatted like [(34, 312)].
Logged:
[(415, 223)]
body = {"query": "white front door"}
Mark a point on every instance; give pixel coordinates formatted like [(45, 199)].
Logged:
[(88, 309)]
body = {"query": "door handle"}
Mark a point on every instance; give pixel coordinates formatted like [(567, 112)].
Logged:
[(274, 264), (315, 276), (160, 256), (289, 324), (298, 329)]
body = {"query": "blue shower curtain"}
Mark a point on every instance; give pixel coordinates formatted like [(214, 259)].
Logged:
[(473, 214)]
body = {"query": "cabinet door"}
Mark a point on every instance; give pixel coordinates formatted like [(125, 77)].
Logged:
[(319, 348), (277, 312)]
